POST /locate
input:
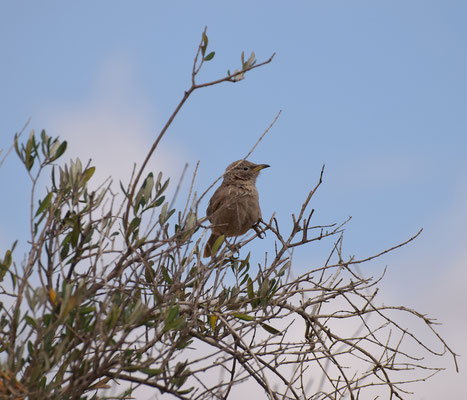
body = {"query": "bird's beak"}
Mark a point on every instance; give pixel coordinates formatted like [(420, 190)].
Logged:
[(259, 167)]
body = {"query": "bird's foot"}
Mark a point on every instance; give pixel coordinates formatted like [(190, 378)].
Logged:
[(259, 231)]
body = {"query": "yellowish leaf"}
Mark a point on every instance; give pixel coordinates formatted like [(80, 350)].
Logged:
[(213, 319), (53, 296)]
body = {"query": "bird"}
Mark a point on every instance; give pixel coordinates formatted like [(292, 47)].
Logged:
[(234, 207)]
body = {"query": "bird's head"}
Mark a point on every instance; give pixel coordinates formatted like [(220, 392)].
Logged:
[(243, 171)]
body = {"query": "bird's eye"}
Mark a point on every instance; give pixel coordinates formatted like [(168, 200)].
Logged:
[(246, 168)]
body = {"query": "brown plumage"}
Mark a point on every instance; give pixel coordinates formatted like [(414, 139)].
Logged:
[(234, 206)]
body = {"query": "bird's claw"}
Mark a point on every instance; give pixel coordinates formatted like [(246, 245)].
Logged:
[(259, 231)]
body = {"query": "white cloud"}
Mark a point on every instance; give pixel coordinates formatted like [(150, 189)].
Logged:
[(433, 281), (114, 126)]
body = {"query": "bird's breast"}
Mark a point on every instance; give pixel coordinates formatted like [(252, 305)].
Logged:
[(237, 210)]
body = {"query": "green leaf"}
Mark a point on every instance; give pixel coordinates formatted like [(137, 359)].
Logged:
[(151, 371), (264, 289), (135, 223), (158, 180), (245, 278), (204, 44), (65, 250), (159, 201), (6, 263), (59, 152), (185, 391), (166, 275), (270, 329), (245, 262), (3, 272), (139, 200), (163, 214), (13, 280), (243, 317), (144, 193), (44, 136), (131, 368), (210, 56), (164, 186), (251, 60), (284, 268), (44, 203), (86, 310), (173, 313), (170, 214), (217, 244), (8, 259), (249, 288), (89, 232), (75, 233), (190, 225), (30, 321), (112, 317), (88, 174), (184, 343), (148, 186), (149, 274), (30, 151), (43, 382)]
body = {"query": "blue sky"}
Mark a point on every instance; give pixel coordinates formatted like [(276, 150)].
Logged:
[(377, 91)]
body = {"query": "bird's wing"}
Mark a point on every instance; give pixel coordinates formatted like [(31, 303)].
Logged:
[(224, 196), (214, 203)]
